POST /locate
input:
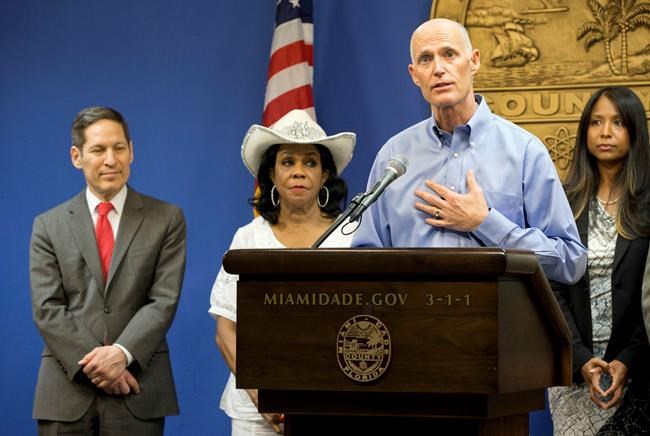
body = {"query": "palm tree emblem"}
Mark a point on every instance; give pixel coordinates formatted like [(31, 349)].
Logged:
[(614, 18)]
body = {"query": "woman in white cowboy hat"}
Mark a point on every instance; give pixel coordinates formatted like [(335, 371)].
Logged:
[(297, 167)]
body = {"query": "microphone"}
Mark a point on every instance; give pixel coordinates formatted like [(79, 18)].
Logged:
[(395, 168)]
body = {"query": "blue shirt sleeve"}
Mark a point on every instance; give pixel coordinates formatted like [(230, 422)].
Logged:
[(550, 229)]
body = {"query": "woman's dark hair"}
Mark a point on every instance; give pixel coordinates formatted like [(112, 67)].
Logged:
[(583, 178), (336, 185)]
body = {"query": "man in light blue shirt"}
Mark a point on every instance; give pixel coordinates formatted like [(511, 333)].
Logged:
[(475, 179)]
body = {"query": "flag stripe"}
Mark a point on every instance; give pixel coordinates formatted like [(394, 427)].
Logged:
[(289, 55), (297, 98), (290, 32), (285, 80)]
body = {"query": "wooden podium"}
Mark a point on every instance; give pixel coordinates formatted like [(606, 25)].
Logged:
[(420, 341)]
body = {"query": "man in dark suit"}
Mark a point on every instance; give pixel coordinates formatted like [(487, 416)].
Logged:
[(106, 269)]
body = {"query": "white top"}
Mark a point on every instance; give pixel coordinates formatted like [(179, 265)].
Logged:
[(223, 301)]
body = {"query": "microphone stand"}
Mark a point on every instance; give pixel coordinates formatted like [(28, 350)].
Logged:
[(354, 203)]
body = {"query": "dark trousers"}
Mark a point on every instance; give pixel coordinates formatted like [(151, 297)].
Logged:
[(632, 418), (106, 416)]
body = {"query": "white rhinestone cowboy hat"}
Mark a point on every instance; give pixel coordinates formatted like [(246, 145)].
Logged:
[(296, 127)]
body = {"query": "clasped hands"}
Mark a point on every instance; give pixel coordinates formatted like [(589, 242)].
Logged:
[(106, 367), (461, 212), (592, 372)]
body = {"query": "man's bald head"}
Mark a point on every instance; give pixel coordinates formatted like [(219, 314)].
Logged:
[(439, 25)]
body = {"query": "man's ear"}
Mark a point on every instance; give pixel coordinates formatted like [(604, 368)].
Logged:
[(132, 155), (411, 69), (75, 157), (475, 60)]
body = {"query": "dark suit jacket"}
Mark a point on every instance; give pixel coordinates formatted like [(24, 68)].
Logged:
[(645, 296), (75, 312), (628, 342)]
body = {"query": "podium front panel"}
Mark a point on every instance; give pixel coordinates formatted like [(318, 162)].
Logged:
[(438, 336), (469, 322)]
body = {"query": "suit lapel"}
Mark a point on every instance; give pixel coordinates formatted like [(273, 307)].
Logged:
[(582, 222), (622, 244), (130, 222), (83, 230), (583, 227)]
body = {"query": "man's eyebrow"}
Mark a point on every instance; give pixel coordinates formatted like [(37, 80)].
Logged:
[(448, 47)]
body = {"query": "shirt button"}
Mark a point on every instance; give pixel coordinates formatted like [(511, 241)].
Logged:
[(455, 155), (452, 187), (107, 310)]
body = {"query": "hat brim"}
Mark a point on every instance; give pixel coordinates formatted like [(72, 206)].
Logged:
[(258, 139)]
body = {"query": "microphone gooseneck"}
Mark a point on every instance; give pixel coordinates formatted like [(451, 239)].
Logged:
[(396, 167)]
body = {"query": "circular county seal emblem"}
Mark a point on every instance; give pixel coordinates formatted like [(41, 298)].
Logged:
[(363, 348)]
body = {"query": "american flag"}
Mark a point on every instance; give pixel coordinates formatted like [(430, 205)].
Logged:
[(290, 76)]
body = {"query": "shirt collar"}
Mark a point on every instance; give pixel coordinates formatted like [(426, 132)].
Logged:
[(480, 120), (117, 201), (477, 124)]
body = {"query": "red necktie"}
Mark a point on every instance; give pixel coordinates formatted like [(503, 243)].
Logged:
[(104, 234)]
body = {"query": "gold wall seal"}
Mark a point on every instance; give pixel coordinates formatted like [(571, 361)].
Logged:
[(363, 348), (542, 59)]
